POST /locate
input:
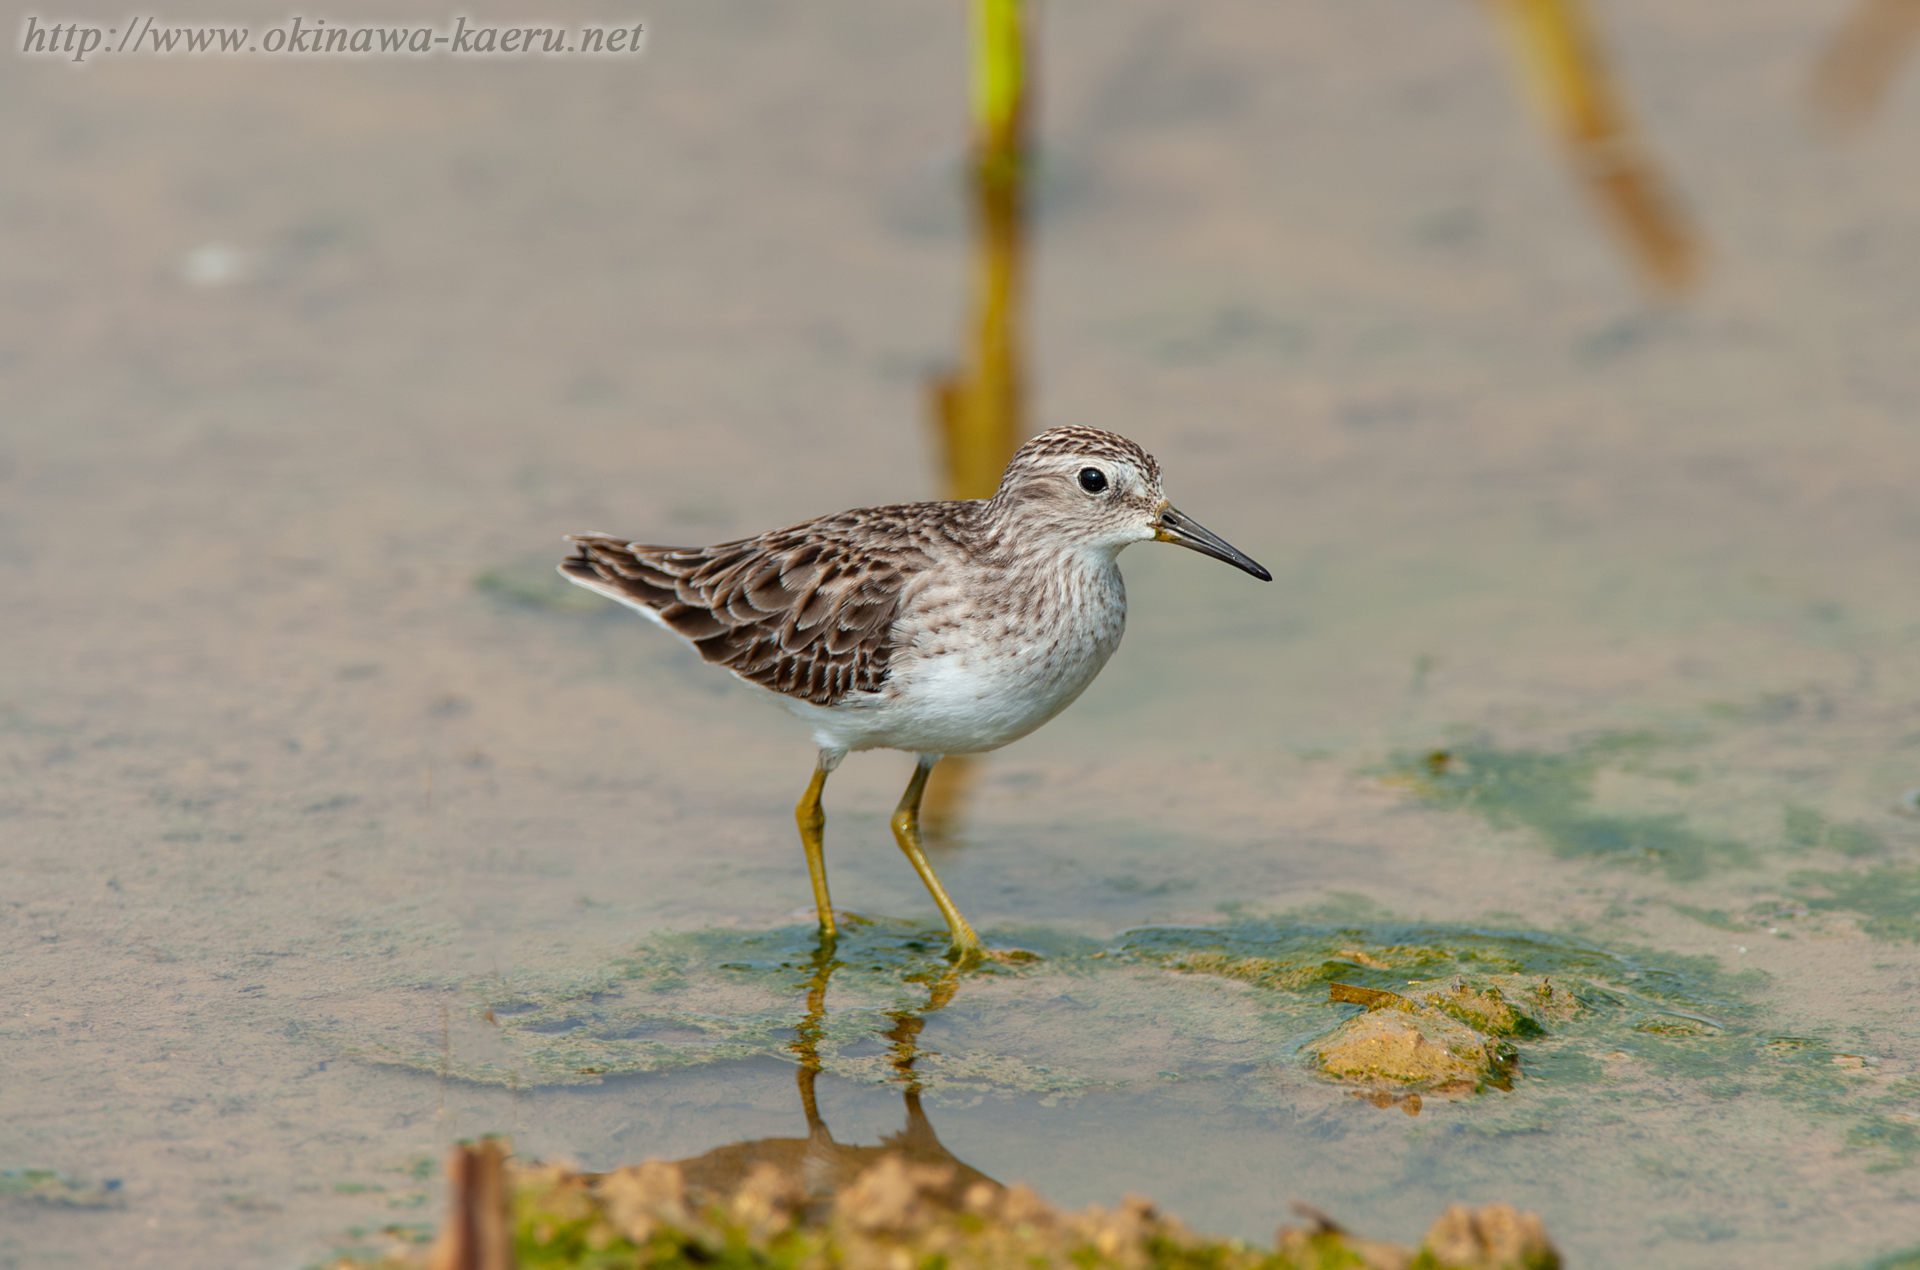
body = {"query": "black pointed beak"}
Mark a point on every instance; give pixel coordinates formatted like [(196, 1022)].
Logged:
[(1175, 528)]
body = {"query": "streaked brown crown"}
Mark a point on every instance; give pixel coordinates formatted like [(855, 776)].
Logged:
[(1083, 442)]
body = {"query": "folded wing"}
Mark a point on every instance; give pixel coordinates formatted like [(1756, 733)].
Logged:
[(806, 611)]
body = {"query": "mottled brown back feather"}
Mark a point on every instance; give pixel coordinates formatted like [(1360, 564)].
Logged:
[(807, 611)]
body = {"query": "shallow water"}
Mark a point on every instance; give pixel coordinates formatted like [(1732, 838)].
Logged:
[(1590, 623)]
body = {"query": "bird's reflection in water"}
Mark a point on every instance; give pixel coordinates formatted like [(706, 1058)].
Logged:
[(818, 1165)]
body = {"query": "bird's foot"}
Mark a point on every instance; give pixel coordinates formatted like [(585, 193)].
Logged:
[(967, 956)]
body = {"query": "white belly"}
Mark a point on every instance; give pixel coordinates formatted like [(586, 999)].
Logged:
[(983, 684)]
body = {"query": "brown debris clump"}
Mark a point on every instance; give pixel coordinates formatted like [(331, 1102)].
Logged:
[(897, 1214), (1492, 1238), (1497, 1237)]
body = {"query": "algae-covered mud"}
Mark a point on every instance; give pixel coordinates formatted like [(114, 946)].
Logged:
[(1260, 1005), (1544, 834), (901, 1209)]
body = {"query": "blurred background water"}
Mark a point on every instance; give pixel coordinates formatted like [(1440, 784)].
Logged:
[(308, 364)]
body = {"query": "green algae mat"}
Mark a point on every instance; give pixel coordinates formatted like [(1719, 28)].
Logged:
[(1536, 1030), (1158, 1002)]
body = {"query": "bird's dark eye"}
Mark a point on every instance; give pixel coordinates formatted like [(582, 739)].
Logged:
[(1092, 480)]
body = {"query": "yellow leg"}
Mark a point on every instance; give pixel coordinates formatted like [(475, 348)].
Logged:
[(906, 831), (812, 820)]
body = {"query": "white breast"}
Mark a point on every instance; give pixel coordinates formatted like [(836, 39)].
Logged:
[(972, 676)]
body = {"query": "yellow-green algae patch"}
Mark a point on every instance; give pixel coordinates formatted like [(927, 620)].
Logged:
[(1888, 897), (1551, 795), (897, 1214), (1502, 1005), (53, 1189), (536, 584), (1806, 827)]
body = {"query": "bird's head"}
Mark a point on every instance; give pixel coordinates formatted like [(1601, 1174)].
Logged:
[(1103, 491)]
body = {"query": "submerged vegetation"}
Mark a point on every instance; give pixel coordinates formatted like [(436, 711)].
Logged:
[(1888, 897), (1858, 70), (51, 1189), (1560, 57), (979, 404), (1908, 1260), (1551, 794), (1559, 54), (535, 584)]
